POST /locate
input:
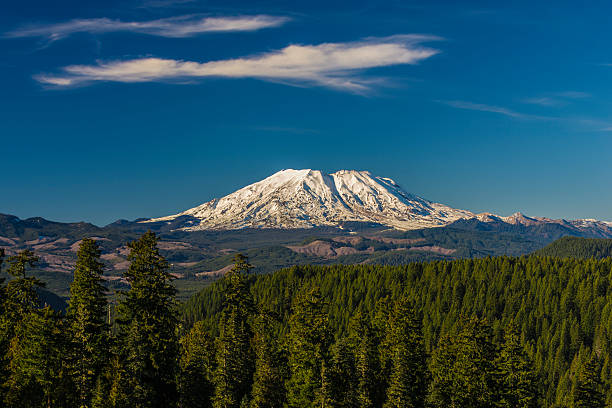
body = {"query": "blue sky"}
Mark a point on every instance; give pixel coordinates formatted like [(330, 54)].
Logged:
[(141, 108)]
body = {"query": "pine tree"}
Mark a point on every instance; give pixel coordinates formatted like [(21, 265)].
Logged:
[(86, 315), (367, 364), (408, 382), (37, 372), (196, 368), (268, 380), (308, 347), (343, 376), (234, 360), (148, 326), (20, 298), (21, 291), (518, 381), (589, 388), (463, 370)]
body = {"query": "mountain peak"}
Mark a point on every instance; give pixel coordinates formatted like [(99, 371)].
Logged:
[(308, 198)]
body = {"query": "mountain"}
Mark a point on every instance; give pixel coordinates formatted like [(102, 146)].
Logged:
[(310, 198), (307, 198), (293, 217)]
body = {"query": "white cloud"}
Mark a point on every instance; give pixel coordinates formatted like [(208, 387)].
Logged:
[(175, 27), (484, 108), (335, 65)]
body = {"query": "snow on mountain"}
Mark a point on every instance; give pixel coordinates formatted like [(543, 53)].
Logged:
[(309, 198)]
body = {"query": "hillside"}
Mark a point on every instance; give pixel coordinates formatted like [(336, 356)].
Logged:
[(200, 257), (576, 247), (562, 306)]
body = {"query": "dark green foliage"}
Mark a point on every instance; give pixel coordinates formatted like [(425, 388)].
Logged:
[(234, 355), (368, 381), (21, 295), (559, 306), (463, 370), (86, 317), (196, 368), (406, 347), (589, 388), (37, 372), (308, 345), (148, 328), (19, 303), (268, 389), (499, 332), (516, 374), (575, 247)]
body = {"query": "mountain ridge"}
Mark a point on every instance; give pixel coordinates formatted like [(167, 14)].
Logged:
[(310, 198)]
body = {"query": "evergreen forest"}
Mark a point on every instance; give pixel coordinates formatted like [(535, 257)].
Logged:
[(531, 331)]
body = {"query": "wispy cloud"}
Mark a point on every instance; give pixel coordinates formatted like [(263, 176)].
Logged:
[(573, 95), (557, 98), (544, 101), (174, 27), (485, 108), (334, 65)]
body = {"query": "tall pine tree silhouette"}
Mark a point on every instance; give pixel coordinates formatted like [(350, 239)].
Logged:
[(308, 346), (516, 375), (148, 323), (86, 315), (408, 382), (233, 375)]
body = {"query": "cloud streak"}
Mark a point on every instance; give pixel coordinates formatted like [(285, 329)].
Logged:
[(485, 108), (333, 65), (544, 101), (557, 99), (174, 27)]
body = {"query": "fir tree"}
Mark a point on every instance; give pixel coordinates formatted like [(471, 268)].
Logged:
[(408, 381), (148, 326), (463, 370), (518, 381), (308, 347), (196, 368), (234, 360), (367, 365), (20, 299), (268, 380), (589, 388), (37, 373), (88, 328), (21, 291), (342, 392)]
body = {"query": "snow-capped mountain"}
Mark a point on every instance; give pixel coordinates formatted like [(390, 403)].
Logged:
[(309, 198)]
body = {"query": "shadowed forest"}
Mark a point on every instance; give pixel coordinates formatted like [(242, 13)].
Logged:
[(533, 331)]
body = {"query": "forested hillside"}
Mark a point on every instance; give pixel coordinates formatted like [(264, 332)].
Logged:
[(493, 332), (575, 247), (561, 308)]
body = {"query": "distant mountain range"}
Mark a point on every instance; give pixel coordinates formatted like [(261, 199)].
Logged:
[(310, 198), (294, 217)]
